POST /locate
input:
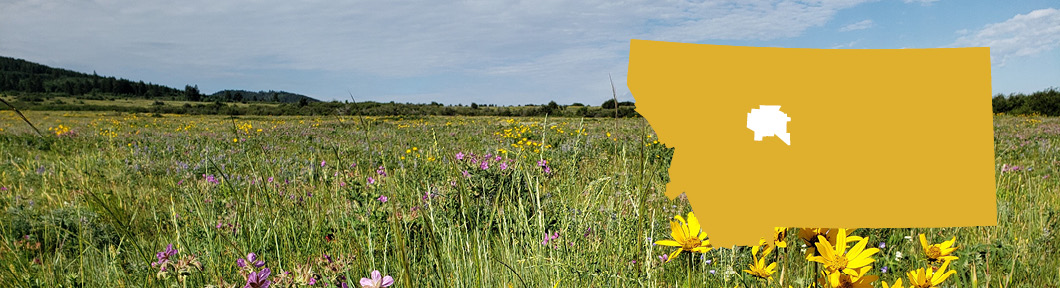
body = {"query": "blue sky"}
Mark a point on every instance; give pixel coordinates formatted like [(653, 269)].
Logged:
[(500, 52)]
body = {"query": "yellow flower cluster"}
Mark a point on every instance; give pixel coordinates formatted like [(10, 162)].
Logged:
[(60, 130), (245, 127)]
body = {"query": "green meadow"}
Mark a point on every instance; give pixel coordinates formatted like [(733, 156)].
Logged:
[(437, 202)]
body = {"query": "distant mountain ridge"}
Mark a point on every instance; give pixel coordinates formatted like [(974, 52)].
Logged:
[(18, 75)]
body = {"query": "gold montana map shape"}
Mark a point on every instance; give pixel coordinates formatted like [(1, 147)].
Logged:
[(880, 138)]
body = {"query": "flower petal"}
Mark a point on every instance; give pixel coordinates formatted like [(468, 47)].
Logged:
[(693, 225), (668, 243)]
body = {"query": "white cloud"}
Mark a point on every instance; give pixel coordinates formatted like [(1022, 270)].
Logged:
[(1023, 35), (568, 45), (845, 45), (863, 24)]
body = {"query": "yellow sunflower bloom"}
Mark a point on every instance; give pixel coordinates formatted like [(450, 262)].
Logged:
[(840, 260), (759, 268), (839, 280), (939, 252), (809, 237), (928, 278), (897, 284), (686, 235), (780, 235)]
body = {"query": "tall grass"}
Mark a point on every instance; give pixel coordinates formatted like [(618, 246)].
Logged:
[(104, 197)]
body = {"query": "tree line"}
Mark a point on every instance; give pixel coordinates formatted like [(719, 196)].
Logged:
[(305, 107), (1045, 102), (32, 79)]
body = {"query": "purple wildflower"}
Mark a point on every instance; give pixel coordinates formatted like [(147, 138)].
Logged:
[(664, 258), (211, 179), (259, 279), (371, 180), (466, 174), (163, 257), (504, 166), (322, 162), (883, 270), (883, 245), (270, 179), (381, 171), (485, 165), (1010, 168), (383, 199), (460, 156), (377, 280), (252, 259), (548, 238), (3, 188)]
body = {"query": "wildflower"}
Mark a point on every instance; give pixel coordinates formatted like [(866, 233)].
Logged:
[(259, 279), (460, 156), (883, 270), (861, 280), (163, 257), (485, 165), (466, 174), (897, 255), (938, 252), (759, 268), (377, 280), (838, 260), (664, 258), (252, 259), (810, 237), (883, 245), (548, 238), (322, 162), (780, 235), (897, 284), (371, 180), (686, 235), (504, 166), (382, 198), (381, 171), (927, 278), (3, 188), (1009, 168)]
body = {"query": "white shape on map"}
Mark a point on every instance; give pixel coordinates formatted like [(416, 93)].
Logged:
[(767, 120)]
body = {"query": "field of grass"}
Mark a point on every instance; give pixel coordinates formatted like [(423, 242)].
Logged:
[(434, 202)]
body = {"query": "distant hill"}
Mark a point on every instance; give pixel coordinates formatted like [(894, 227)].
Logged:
[(260, 96), (19, 76)]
